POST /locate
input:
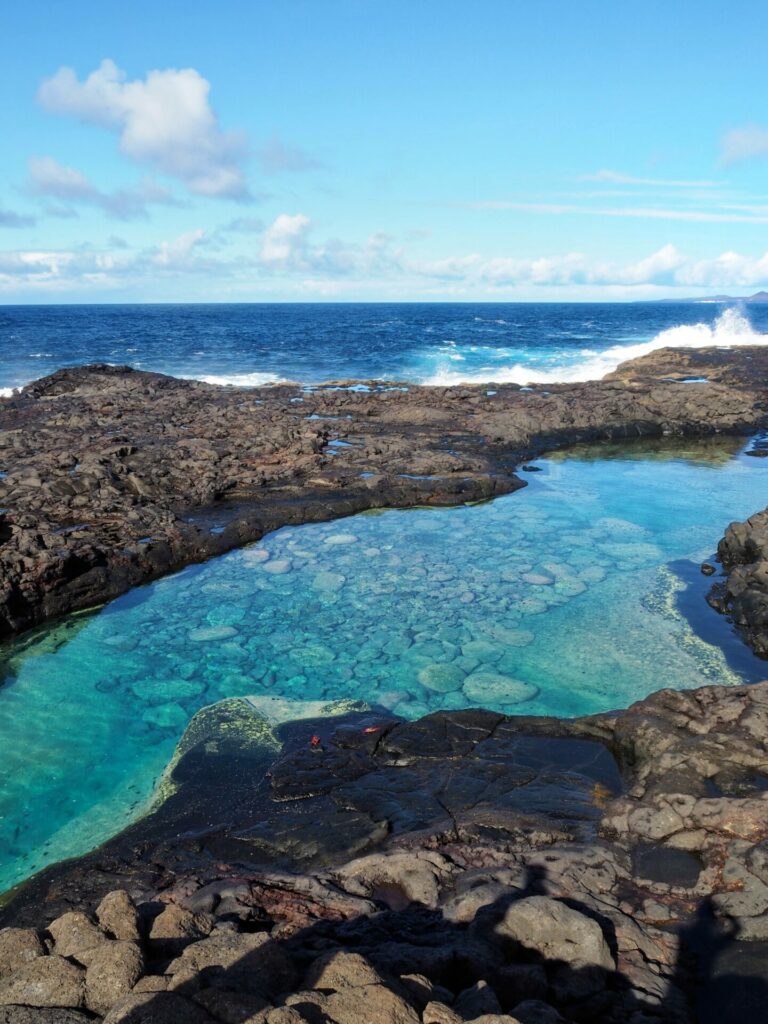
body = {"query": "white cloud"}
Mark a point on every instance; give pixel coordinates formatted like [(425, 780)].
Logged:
[(285, 240), (53, 271), (728, 270), (52, 178), (48, 177), (618, 178), (163, 120), (721, 215), (744, 143), (286, 258), (178, 251), (665, 267), (659, 268)]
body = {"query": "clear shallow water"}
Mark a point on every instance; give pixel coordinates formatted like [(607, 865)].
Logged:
[(439, 343), (562, 599)]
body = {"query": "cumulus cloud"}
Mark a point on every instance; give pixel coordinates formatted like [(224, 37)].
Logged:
[(286, 252), (56, 270), (744, 143), (285, 241), (48, 177), (177, 252), (666, 266), (276, 156), (11, 219), (728, 270), (163, 120)]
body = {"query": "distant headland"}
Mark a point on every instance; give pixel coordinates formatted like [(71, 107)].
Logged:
[(756, 298)]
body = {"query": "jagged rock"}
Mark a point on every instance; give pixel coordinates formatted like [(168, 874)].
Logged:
[(112, 971), (516, 983), (415, 875), (46, 981), (18, 946), (534, 1011), (41, 1015), (284, 1015), (477, 1001), (438, 1013), (157, 1008), (420, 991), (339, 970), (481, 824), (252, 961), (147, 452), (74, 932), (152, 983), (230, 1007), (382, 1006), (174, 928), (555, 931), (117, 915), (495, 1018)]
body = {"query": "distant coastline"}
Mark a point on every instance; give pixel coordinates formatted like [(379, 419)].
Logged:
[(758, 297)]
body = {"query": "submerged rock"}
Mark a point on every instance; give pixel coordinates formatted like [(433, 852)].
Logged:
[(492, 687), (207, 634), (442, 677)]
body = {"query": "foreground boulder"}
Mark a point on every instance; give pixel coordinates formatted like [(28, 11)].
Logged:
[(554, 931), (479, 867)]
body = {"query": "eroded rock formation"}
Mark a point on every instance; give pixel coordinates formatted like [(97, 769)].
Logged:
[(112, 477), (464, 865)]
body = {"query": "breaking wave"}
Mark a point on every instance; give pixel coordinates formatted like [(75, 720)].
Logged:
[(237, 380), (731, 329)]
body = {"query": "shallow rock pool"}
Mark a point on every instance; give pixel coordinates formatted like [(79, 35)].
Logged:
[(579, 594)]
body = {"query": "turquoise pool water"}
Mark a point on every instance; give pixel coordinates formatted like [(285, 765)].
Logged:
[(579, 594)]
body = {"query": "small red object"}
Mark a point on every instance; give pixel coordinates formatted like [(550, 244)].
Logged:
[(372, 728), (315, 741)]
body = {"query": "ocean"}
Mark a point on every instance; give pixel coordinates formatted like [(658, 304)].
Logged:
[(429, 343)]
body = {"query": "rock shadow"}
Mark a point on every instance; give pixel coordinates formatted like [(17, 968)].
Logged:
[(412, 964)]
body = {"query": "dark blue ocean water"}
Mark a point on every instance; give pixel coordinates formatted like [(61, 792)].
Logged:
[(438, 343)]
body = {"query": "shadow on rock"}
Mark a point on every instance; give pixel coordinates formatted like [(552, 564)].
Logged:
[(207, 959)]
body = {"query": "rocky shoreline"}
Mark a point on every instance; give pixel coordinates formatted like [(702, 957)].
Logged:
[(354, 867), (465, 867), (111, 477)]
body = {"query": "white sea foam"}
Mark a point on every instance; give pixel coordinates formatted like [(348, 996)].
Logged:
[(6, 392), (238, 380), (731, 329)]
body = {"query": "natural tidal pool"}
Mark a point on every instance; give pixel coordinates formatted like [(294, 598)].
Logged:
[(579, 594)]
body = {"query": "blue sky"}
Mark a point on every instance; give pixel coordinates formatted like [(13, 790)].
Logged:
[(378, 149)]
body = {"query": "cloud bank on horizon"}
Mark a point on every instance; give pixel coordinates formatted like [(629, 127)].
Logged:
[(373, 177)]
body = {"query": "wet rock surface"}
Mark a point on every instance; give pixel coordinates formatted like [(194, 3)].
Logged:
[(113, 477), (743, 594), (467, 866)]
